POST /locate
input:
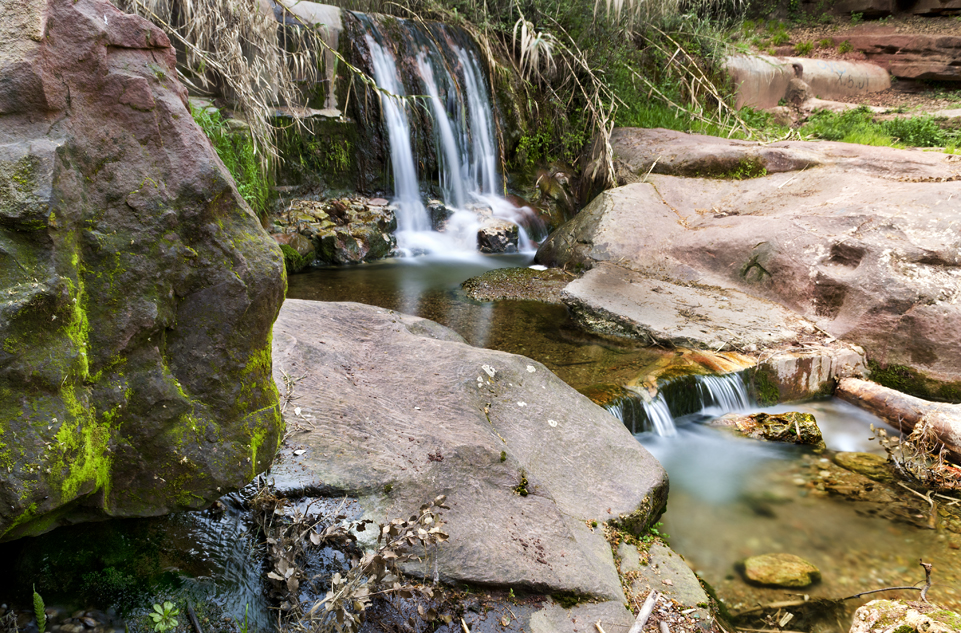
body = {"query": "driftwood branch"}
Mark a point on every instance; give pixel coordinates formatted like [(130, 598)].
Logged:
[(644, 613), (904, 412)]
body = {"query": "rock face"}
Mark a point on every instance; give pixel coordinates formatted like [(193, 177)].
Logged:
[(761, 81), (780, 570), (895, 616), (915, 56), (863, 241), (137, 289), (401, 410)]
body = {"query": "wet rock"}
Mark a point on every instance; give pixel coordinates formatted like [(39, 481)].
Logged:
[(138, 288), (791, 375), (863, 246), (896, 616), (496, 235), (298, 251), (439, 214), (496, 419), (518, 283), (794, 427), (344, 231), (780, 570), (872, 466)]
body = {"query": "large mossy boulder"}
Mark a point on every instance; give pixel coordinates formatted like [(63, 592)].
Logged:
[(137, 289)]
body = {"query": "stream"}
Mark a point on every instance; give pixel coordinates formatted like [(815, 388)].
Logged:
[(730, 498)]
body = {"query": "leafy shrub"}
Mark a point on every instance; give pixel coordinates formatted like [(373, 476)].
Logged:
[(803, 48), (845, 47), (826, 43), (857, 18)]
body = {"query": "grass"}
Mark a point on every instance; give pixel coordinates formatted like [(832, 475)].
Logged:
[(859, 126), (236, 150)]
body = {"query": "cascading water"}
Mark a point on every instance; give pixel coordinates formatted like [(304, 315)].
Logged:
[(411, 213), (722, 394), (449, 77), (716, 395)]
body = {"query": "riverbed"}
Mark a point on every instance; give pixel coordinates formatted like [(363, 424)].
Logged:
[(730, 498)]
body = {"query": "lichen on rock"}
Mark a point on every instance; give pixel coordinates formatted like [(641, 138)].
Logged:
[(137, 289)]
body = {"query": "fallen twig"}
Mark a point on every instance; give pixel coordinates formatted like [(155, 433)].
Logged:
[(644, 613)]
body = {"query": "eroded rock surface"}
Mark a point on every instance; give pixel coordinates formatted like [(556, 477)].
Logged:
[(896, 616), (862, 241), (793, 426), (397, 410), (137, 289)]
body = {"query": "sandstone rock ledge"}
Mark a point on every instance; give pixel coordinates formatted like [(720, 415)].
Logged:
[(398, 409), (862, 242)]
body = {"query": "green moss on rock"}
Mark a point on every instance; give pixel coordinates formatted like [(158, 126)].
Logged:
[(915, 383)]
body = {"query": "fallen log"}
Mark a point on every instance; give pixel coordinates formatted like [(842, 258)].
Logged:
[(904, 412)]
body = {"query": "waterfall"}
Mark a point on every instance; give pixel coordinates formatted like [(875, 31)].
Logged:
[(448, 79), (715, 395), (722, 393), (411, 212)]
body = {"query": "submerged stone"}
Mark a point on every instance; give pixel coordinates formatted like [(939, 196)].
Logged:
[(137, 288), (872, 466), (780, 570)]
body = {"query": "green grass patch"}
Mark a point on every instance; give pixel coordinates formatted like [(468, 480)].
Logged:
[(859, 126), (237, 152)]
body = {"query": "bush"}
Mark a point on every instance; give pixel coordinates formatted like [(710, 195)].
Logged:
[(826, 43), (803, 48), (845, 47)]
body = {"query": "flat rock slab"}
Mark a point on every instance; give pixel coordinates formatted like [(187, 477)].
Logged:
[(865, 242), (395, 410), (615, 300)]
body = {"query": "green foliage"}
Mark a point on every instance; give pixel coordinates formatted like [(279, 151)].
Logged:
[(39, 611), (825, 18), (163, 617), (780, 38), (859, 126), (803, 48), (845, 47), (521, 488), (294, 262), (857, 18), (236, 150), (826, 43)]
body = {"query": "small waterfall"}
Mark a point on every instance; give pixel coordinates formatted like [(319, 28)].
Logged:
[(715, 395), (724, 393), (411, 212), (444, 69)]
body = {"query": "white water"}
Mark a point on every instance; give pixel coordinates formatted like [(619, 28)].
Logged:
[(411, 213), (463, 120), (718, 395), (722, 394)]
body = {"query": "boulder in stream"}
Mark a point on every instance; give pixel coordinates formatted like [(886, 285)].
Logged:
[(794, 427), (780, 570), (395, 410), (138, 288)]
